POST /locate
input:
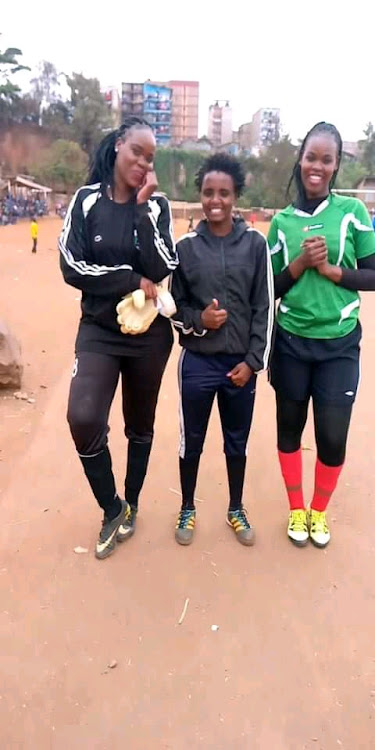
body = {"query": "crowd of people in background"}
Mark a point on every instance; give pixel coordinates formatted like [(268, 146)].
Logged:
[(12, 209)]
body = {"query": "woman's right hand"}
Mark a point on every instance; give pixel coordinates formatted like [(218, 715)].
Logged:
[(149, 288), (314, 253), (213, 318)]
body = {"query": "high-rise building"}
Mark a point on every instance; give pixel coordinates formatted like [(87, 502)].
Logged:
[(220, 123), (185, 106), (150, 100), (265, 127), (157, 108), (263, 130), (245, 139), (171, 108), (131, 99)]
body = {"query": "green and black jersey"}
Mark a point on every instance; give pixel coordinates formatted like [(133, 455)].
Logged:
[(315, 307)]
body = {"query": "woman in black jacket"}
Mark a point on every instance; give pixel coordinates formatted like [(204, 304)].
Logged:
[(117, 238), (223, 291)]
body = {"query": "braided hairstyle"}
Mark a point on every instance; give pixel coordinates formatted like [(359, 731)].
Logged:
[(222, 162), (327, 129), (102, 163)]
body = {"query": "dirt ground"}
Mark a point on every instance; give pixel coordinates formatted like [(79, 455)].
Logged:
[(291, 665)]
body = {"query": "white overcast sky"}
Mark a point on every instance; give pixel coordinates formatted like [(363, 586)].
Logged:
[(314, 60)]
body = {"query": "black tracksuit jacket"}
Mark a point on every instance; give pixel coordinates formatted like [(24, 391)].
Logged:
[(236, 270)]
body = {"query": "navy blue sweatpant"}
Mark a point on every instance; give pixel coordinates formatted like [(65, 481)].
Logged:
[(201, 377)]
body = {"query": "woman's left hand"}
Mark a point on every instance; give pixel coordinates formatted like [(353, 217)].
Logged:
[(148, 188), (333, 273), (240, 375)]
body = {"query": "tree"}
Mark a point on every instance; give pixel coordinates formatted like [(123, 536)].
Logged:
[(90, 115), (63, 166), (368, 150), (9, 91), (270, 174), (45, 85), (254, 194), (9, 65), (351, 172), (23, 109), (176, 170), (57, 120)]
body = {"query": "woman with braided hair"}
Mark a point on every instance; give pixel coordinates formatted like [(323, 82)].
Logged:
[(117, 238), (323, 253)]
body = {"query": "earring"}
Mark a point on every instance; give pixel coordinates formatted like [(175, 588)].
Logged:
[(116, 150)]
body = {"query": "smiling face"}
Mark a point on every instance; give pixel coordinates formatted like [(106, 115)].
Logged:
[(218, 198), (318, 164), (135, 157)]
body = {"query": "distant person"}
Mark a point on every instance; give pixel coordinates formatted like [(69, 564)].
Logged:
[(223, 291), (117, 238), (323, 252), (191, 223), (253, 218), (34, 233)]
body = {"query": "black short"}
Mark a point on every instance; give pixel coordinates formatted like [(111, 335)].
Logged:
[(326, 369)]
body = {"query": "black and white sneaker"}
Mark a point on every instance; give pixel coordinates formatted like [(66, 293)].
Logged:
[(127, 528), (108, 536)]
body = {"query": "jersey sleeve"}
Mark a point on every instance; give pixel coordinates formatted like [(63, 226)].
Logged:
[(364, 235), (262, 304), (157, 247), (78, 269), (187, 319), (275, 246)]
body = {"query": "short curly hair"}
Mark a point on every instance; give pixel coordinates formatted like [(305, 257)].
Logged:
[(222, 162)]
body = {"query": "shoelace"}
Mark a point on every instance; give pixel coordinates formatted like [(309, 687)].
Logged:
[(240, 515), (319, 523), (184, 517), (298, 521)]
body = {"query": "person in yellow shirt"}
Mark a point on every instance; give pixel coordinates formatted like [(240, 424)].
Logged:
[(34, 233)]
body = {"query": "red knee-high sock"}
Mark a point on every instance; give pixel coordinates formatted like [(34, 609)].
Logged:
[(325, 483), (291, 469)]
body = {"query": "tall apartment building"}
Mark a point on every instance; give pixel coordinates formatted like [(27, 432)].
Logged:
[(171, 108), (263, 130), (150, 100), (265, 127), (245, 138), (185, 109), (220, 123), (132, 98)]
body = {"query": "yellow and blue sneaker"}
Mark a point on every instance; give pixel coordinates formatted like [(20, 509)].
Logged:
[(185, 525), (243, 530)]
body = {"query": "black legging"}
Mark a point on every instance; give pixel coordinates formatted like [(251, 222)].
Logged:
[(331, 428), (94, 382), (93, 387)]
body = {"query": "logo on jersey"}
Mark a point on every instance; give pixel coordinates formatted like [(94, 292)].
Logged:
[(310, 227), (75, 368), (98, 238)]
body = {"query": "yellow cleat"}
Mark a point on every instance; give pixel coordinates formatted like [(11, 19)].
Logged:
[(298, 532), (319, 531)]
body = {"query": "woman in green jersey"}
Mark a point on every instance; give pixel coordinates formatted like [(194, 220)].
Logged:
[(323, 253)]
